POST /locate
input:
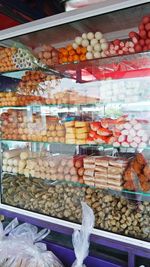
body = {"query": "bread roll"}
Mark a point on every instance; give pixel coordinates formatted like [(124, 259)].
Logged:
[(80, 141), (73, 171)]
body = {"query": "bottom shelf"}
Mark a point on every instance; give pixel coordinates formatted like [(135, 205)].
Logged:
[(113, 213)]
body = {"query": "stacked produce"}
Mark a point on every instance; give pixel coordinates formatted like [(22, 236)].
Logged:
[(88, 46), (32, 127), (16, 59), (142, 38), (30, 81), (137, 42), (119, 132), (104, 172), (6, 59), (43, 166), (103, 131), (16, 99), (72, 53), (137, 171), (133, 133), (113, 213), (76, 132), (23, 59), (47, 54), (72, 97)]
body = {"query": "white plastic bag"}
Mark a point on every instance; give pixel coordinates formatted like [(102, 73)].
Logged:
[(23, 248), (4, 239), (80, 239)]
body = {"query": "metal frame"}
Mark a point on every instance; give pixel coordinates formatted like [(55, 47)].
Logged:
[(66, 17), (99, 236), (131, 246)]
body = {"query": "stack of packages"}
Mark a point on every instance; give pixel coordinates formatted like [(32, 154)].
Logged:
[(104, 172), (76, 132)]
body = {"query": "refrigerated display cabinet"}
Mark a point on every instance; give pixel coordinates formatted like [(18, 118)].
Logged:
[(76, 125)]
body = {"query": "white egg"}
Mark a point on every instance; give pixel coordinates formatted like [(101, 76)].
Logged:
[(103, 54), (98, 35), (85, 43), (89, 48), (84, 36), (104, 46), (97, 47), (89, 55), (78, 40), (94, 41), (97, 55), (75, 45), (103, 40), (90, 35)]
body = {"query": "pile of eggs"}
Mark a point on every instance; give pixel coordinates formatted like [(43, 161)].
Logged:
[(95, 44)]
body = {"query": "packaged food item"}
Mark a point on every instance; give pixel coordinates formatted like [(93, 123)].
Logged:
[(80, 239)]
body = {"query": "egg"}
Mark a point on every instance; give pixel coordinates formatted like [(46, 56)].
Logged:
[(84, 36), (97, 54), (89, 55), (103, 40), (94, 42), (98, 35), (85, 43), (90, 35), (78, 40), (97, 47), (89, 48), (75, 45), (104, 46)]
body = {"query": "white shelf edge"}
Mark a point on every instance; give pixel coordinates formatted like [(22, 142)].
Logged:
[(99, 233), (66, 17)]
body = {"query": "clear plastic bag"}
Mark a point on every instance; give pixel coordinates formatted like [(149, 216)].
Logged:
[(24, 249), (80, 239), (4, 239)]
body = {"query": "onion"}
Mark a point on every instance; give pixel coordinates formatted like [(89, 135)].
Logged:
[(78, 40), (89, 55), (97, 54), (84, 36), (89, 48), (90, 35), (94, 42), (97, 47), (98, 35), (85, 43), (75, 45)]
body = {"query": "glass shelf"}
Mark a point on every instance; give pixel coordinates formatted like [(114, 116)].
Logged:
[(103, 146), (125, 193), (116, 67)]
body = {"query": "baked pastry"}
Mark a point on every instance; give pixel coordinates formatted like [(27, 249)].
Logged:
[(80, 124), (101, 169), (69, 124)]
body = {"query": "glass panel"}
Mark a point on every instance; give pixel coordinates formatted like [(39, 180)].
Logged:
[(79, 131)]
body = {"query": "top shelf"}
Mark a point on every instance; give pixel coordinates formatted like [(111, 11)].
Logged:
[(115, 67)]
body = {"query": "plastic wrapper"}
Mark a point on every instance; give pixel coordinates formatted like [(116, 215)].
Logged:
[(23, 248), (80, 239), (4, 240)]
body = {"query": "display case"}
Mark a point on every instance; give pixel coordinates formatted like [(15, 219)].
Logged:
[(75, 119)]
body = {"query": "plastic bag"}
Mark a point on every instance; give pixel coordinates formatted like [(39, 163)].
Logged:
[(4, 239), (23, 249), (80, 239)]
